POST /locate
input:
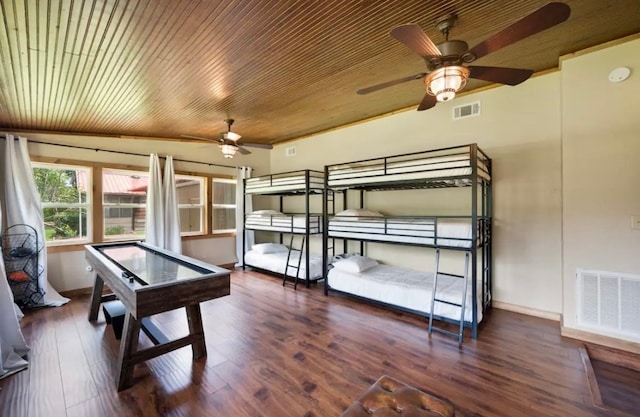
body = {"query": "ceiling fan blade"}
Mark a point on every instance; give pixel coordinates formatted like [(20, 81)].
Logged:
[(258, 145), (543, 18), (243, 151), (428, 101), (509, 76), (390, 83), (201, 138), (415, 39)]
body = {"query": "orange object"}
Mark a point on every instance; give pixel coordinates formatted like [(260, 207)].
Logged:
[(19, 276)]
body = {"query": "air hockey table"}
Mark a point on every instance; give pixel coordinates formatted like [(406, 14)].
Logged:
[(149, 280)]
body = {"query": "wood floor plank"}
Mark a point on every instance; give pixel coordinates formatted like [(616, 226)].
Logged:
[(77, 380), (91, 407), (46, 396), (226, 402), (619, 386), (253, 387), (273, 351), (14, 397)]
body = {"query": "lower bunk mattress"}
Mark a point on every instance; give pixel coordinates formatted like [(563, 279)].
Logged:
[(275, 262), (407, 288)]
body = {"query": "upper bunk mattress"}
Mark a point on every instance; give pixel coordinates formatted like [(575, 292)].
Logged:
[(280, 183), (397, 169), (407, 288)]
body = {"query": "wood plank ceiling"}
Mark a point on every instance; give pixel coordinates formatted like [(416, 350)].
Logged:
[(282, 68)]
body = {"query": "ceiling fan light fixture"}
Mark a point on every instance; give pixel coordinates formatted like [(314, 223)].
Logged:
[(445, 82), (231, 136), (228, 150)]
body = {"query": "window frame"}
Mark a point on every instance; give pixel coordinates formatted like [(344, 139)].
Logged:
[(87, 205), (202, 205), (104, 206), (234, 206), (94, 195)]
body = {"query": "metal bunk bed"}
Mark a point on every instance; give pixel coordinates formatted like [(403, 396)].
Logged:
[(461, 166), (302, 183)]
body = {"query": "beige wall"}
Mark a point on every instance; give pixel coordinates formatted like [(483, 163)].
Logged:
[(600, 166), (520, 129), (66, 270), (564, 148), (193, 151)]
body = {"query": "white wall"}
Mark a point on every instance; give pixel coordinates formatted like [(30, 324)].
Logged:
[(600, 160), (520, 129), (66, 270)]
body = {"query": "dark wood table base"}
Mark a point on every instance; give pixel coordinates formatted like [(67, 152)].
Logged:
[(147, 283), (129, 354)]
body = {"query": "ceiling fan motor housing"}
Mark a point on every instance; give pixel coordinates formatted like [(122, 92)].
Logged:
[(453, 52)]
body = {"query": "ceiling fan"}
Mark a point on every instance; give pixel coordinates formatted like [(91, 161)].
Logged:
[(229, 142), (447, 63)]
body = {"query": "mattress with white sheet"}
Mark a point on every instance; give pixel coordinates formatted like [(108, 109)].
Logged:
[(452, 233), (283, 183), (275, 262), (407, 288), (279, 222), (376, 171)]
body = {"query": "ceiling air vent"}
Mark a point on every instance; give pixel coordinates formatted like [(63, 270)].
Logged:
[(466, 110), (290, 151)]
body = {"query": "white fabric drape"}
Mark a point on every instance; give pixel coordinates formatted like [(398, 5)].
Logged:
[(154, 220), (243, 173), (172, 240), (12, 344), (22, 205)]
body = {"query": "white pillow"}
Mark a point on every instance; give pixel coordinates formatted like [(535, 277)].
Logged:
[(263, 248), (359, 213), (264, 213), (355, 264)]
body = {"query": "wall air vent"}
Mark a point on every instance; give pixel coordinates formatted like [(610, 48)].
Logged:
[(609, 303), (290, 151), (466, 110)]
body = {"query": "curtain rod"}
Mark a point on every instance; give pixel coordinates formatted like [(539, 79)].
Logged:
[(124, 153)]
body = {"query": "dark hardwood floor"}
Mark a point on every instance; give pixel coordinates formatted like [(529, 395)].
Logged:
[(619, 386), (273, 351)]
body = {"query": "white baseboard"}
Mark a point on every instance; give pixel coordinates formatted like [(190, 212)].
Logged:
[(601, 340), (549, 315)]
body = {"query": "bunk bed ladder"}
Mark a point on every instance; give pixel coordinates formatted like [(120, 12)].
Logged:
[(330, 209), (462, 305), (293, 265)]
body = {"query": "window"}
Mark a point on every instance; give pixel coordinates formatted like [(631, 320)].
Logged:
[(66, 204), (124, 198), (68, 192), (191, 198), (224, 205)]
